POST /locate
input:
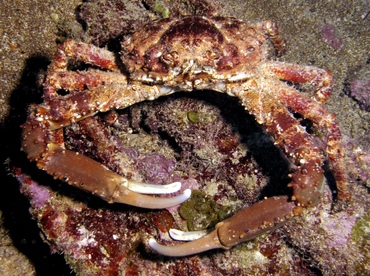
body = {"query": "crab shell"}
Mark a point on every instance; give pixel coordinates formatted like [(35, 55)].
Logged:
[(193, 51)]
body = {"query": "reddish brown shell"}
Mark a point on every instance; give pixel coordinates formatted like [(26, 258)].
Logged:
[(222, 47)]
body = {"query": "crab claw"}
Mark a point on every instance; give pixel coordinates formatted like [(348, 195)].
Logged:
[(246, 224), (93, 177), (48, 150)]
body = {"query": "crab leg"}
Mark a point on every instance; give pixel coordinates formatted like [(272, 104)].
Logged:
[(89, 54), (308, 176), (90, 92), (62, 111), (317, 77), (322, 79), (247, 224), (309, 109), (44, 143), (272, 31), (82, 80), (90, 175)]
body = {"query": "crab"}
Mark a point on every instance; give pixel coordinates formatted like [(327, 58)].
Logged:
[(190, 53)]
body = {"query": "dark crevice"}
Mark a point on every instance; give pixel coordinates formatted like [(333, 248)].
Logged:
[(22, 229)]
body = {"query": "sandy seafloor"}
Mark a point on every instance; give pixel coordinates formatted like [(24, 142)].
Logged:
[(28, 34)]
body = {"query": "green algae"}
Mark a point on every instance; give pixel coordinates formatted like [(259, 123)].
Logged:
[(361, 236), (160, 8), (193, 116), (361, 228), (201, 211)]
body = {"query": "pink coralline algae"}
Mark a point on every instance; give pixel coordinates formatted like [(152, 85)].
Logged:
[(359, 89), (37, 193), (157, 168), (358, 159), (329, 36)]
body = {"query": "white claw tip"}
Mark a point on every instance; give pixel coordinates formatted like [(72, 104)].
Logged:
[(180, 198), (187, 193), (146, 188), (163, 249), (179, 235), (153, 244)]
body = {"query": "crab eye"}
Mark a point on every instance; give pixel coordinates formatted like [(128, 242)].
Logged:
[(197, 42), (167, 57), (152, 55), (154, 61), (209, 55), (250, 49), (185, 42), (170, 58)]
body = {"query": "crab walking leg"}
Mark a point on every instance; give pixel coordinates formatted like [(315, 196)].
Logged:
[(246, 224), (87, 53), (71, 49), (308, 176), (62, 111), (321, 117), (44, 143), (317, 77), (268, 27), (81, 80), (312, 110)]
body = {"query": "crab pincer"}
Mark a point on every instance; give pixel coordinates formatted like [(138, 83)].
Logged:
[(246, 224), (46, 147)]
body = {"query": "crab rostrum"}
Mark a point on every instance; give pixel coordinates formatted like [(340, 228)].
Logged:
[(188, 54)]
